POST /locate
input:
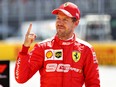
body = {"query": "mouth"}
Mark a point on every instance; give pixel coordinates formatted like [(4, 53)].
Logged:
[(60, 27)]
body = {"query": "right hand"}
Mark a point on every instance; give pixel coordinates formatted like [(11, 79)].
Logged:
[(29, 37)]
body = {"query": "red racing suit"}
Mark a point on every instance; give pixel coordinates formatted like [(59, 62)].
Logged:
[(69, 63)]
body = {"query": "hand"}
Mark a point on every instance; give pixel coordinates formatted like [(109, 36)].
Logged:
[(29, 37)]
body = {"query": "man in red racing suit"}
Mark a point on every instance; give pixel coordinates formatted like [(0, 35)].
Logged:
[(61, 63)]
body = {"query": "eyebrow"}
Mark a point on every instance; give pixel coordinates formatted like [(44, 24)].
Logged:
[(66, 17)]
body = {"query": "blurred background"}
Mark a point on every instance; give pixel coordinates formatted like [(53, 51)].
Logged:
[(97, 26)]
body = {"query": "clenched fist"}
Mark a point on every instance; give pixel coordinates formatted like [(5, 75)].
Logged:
[(29, 37)]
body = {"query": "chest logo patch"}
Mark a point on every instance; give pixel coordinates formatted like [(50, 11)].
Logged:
[(53, 54), (58, 54), (76, 56), (49, 54)]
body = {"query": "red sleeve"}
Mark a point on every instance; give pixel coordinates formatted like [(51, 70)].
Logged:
[(91, 71), (28, 64)]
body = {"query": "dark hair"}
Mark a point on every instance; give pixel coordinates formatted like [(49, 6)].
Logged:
[(74, 19)]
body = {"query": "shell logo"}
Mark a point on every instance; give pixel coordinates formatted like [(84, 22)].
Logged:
[(49, 54)]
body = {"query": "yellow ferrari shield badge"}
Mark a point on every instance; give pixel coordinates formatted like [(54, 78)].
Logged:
[(76, 56)]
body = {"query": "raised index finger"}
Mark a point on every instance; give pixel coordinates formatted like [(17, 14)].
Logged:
[(29, 29)]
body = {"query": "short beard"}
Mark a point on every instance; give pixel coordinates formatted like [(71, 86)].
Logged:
[(64, 36)]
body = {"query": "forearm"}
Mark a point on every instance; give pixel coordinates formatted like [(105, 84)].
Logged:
[(22, 66), (28, 64)]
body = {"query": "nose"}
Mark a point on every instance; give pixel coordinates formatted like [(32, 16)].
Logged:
[(60, 22)]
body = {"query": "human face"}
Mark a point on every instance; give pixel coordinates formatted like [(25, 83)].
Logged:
[(64, 26)]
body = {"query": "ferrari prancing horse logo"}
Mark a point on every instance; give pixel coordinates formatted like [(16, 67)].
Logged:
[(76, 56)]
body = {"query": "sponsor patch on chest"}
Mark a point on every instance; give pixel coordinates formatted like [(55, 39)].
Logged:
[(76, 56), (51, 54)]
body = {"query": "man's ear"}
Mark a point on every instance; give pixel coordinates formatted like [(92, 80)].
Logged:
[(77, 22)]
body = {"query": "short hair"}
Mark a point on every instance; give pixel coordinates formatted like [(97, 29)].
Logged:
[(74, 19)]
